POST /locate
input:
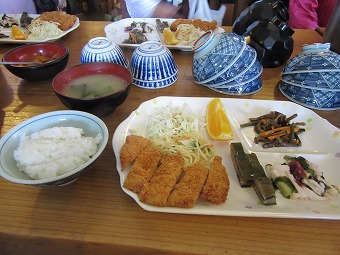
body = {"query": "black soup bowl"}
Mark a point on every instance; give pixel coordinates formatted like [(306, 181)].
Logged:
[(99, 105), (51, 59)]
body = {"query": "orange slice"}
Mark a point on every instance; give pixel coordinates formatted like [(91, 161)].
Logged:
[(218, 126), (17, 33), (169, 37)]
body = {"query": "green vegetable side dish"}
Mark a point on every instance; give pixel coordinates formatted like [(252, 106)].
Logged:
[(300, 179)]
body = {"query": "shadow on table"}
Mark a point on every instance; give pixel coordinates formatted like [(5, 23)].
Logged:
[(34, 93), (6, 99)]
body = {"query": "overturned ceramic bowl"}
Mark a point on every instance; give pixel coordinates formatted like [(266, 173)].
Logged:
[(314, 58), (312, 78), (152, 66), (100, 49), (215, 54), (246, 88), (312, 98), (324, 80)]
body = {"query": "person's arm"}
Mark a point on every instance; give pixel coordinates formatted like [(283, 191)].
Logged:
[(303, 14), (164, 10), (151, 9)]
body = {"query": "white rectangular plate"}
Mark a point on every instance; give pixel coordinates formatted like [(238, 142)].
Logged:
[(115, 32), (320, 145), (7, 31)]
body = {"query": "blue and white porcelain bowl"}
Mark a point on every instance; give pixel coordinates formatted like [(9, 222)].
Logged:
[(319, 80), (152, 66), (100, 49), (237, 69), (311, 98), (313, 58), (251, 73), (247, 88), (214, 54)]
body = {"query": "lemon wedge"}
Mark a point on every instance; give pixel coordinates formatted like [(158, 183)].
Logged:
[(169, 37), (17, 33), (218, 125)]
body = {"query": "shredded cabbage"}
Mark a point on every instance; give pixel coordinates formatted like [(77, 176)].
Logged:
[(179, 130), (41, 30)]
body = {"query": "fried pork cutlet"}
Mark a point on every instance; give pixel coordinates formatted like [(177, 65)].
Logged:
[(64, 19), (186, 192), (217, 185), (133, 146), (197, 23), (143, 169), (156, 192)]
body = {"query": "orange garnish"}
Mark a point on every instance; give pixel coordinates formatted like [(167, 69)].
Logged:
[(17, 33), (169, 37), (218, 126)]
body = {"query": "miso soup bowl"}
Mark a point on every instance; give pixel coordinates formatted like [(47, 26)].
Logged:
[(99, 106)]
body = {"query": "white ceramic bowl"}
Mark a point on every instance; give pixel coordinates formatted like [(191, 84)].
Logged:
[(100, 49), (152, 66), (91, 124)]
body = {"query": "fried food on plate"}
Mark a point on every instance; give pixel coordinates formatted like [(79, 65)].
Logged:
[(186, 192), (156, 192), (217, 185), (143, 169), (197, 23), (65, 20), (133, 146)]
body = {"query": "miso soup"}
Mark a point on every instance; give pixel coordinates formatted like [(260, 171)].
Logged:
[(94, 85)]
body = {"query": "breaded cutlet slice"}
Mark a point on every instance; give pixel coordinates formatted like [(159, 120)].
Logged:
[(216, 187), (133, 146), (143, 169), (186, 192), (197, 23), (156, 192)]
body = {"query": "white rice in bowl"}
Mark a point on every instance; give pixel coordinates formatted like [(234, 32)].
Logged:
[(55, 151)]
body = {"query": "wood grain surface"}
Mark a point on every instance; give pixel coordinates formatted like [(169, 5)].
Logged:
[(94, 215)]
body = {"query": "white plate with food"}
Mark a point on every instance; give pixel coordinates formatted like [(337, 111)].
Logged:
[(320, 145), (7, 37), (149, 30)]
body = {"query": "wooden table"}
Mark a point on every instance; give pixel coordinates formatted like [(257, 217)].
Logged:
[(94, 215)]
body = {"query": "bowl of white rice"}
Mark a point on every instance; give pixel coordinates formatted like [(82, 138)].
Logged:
[(52, 148)]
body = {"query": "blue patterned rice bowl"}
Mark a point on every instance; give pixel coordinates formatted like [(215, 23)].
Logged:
[(100, 49)]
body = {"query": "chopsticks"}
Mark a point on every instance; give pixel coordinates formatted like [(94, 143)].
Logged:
[(20, 63)]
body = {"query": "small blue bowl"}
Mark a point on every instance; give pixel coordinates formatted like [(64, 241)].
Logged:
[(214, 54), (311, 98), (318, 80), (248, 88), (100, 49), (152, 66)]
